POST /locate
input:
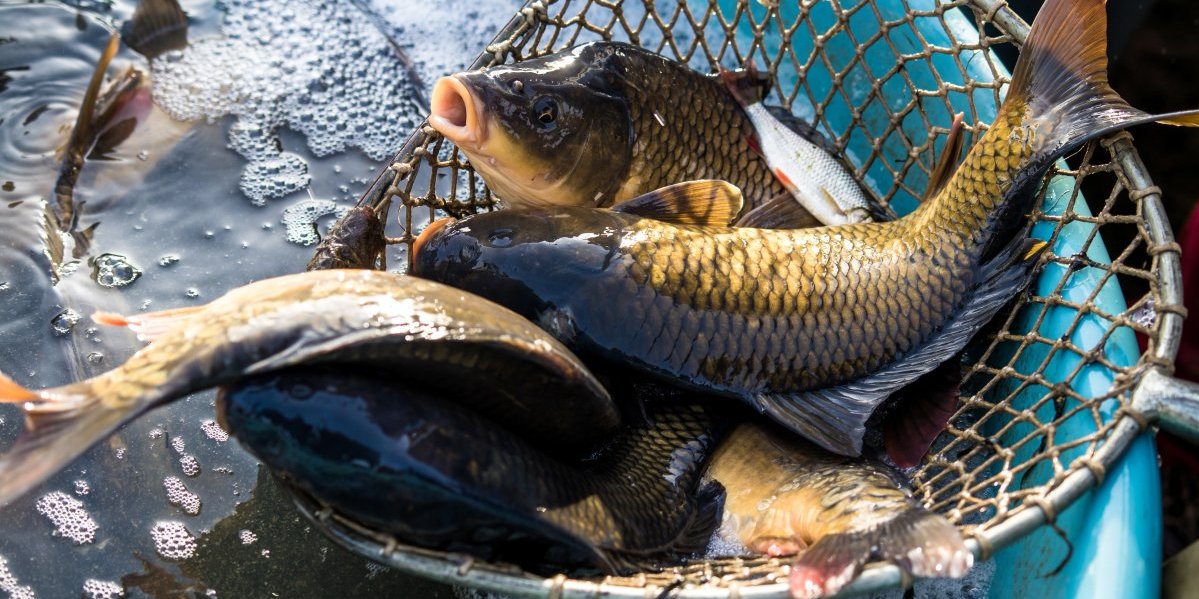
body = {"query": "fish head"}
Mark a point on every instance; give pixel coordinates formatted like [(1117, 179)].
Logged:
[(550, 131), (526, 260)]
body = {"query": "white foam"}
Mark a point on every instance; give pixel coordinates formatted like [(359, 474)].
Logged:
[(9, 583), (214, 431), (68, 516), (300, 219), (247, 537), (320, 68), (172, 540), (178, 495), (102, 589)]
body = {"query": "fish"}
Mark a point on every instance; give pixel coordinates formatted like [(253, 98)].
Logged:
[(356, 241), (599, 124), (435, 474), (787, 497), (470, 349), (817, 179), (814, 327)]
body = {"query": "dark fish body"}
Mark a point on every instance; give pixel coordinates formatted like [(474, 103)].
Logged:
[(598, 124), (815, 327), (436, 475), (425, 334), (785, 496)]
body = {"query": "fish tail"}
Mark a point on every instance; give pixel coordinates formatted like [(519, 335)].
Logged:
[(1060, 83), (746, 85), (919, 542), (60, 424)]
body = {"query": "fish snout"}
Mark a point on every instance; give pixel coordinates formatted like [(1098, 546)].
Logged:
[(457, 112), (443, 253)]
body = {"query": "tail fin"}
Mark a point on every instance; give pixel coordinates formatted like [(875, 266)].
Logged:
[(921, 543), (746, 85), (60, 424), (1061, 77)]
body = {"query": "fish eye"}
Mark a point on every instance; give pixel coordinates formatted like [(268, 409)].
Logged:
[(518, 86), (546, 111)]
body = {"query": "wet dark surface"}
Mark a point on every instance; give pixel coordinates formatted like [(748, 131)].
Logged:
[(169, 201)]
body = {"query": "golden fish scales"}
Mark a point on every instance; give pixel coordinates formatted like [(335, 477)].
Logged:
[(890, 122)]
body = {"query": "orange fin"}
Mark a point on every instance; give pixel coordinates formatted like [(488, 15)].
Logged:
[(11, 392), (151, 325), (746, 85)]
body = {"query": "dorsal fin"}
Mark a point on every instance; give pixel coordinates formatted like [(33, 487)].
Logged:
[(706, 202), (947, 162)]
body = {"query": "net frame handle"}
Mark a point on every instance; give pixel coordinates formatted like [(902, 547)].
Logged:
[(1170, 402)]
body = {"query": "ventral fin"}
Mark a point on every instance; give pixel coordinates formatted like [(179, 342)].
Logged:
[(706, 202), (746, 85)]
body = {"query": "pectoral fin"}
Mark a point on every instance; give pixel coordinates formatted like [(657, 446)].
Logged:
[(779, 212), (707, 202)]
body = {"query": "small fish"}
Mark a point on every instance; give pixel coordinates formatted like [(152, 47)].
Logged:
[(815, 177), (599, 124), (814, 327), (436, 475), (785, 496), (356, 241), (426, 334)]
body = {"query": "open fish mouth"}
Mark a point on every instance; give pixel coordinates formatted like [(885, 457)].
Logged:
[(457, 112)]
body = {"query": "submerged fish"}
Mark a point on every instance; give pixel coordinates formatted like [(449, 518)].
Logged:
[(598, 124), (814, 327), (785, 496), (814, 176), (423, 333), (436, 475)]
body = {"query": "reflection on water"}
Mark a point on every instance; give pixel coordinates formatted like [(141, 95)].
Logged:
[(170, 506)]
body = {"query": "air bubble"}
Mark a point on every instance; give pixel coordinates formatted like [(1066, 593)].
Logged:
[(82, 488), (114, 270), (69, 518), (95, 357), (1146, 315), (102, 589), (168, 260), (172, 540), (64, 322), (191, 293), (179, 496)]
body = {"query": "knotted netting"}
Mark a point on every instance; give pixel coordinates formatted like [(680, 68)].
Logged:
[(1046, 398)]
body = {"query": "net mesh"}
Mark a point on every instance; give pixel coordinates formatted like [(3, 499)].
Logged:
[(882, 79)]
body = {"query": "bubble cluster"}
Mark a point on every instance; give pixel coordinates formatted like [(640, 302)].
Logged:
[(1146, 315), (82, 488), (10, 585), (172, 540), (214, 431), (300, 219), (180, 497), (247, 537), (114, 270), (187, 461), (168, 260), (69, 518), (320, 68), (102, 589), (64, 322)]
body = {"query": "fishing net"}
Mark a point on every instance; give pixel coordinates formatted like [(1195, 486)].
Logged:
[(1046, 400)]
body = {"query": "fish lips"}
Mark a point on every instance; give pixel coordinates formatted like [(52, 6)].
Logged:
[(457, 110)]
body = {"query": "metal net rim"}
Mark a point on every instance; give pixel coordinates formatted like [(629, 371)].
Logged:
[(1085, 472)]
